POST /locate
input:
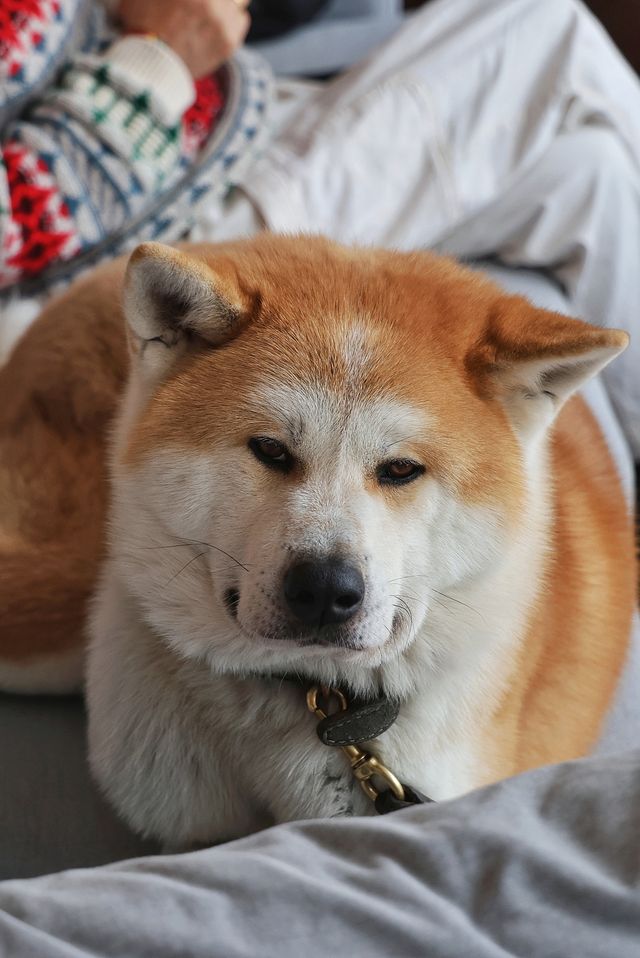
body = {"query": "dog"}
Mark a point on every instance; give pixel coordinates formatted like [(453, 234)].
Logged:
[(230, 465)]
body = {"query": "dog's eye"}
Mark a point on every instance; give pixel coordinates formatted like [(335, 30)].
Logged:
[(399, 471), (271, 452)]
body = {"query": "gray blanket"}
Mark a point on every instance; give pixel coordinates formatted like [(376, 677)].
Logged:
[(545, 864)]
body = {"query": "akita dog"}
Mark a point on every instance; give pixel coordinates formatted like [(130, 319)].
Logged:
[(356, 467)]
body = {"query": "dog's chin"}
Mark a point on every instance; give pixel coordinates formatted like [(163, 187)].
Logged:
[(288, 641), (328, 664), (330, 651)]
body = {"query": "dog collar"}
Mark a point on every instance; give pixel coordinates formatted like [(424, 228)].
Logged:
[(364, 718), (359, 720), (368, 770)]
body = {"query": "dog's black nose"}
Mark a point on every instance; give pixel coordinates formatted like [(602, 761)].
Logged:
[(324, 591)]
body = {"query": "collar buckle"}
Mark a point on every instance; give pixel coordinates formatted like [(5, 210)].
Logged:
[(364, 766)]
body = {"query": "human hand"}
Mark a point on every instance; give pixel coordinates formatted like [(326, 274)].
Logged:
[(204, 33)]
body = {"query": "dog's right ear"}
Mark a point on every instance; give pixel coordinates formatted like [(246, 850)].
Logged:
[(173, 302)]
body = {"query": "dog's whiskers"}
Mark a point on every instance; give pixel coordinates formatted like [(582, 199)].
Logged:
[(404, 608), (415, 598), (209, 545), (401, 578), (178, 545), (435, 599), (444, 595), (185, 566), (188, 543), (416, 435), (457, 601)]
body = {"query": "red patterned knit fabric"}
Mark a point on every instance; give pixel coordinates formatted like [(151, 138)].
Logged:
[(21, 25), (43, 229), (200, 119), (37, 227), (44, 215)]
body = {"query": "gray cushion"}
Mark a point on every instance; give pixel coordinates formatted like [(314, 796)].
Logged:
[(51, 815)]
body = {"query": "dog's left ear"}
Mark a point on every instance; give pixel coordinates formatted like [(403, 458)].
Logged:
[(533, 360), (172, 301)]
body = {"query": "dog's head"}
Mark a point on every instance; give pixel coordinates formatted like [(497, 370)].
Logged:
[(320, 443)]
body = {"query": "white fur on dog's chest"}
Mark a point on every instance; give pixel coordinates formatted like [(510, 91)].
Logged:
[(193, 757), (188, 757), (438, 771)]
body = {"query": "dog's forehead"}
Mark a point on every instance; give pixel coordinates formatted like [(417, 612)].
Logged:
[(315, 417), (335, 389)]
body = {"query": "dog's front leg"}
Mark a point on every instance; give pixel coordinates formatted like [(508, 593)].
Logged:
[(317, 784), (155, 748)]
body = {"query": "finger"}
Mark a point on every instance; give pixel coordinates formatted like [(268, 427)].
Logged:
[(239, 23), (237, 30), (231, 34), (246, 23)]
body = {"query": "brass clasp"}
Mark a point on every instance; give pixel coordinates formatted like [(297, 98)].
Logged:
[(363, 765)]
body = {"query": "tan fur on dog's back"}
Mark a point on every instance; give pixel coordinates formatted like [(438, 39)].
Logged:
[(576, 639), (58, 394)]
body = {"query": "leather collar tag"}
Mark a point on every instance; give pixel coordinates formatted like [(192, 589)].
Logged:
[(359, 722)]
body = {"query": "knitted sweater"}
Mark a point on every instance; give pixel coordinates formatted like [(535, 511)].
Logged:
[(116, 126)]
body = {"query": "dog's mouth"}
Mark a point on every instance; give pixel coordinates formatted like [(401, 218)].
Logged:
[(232, 600), (328, 640)]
